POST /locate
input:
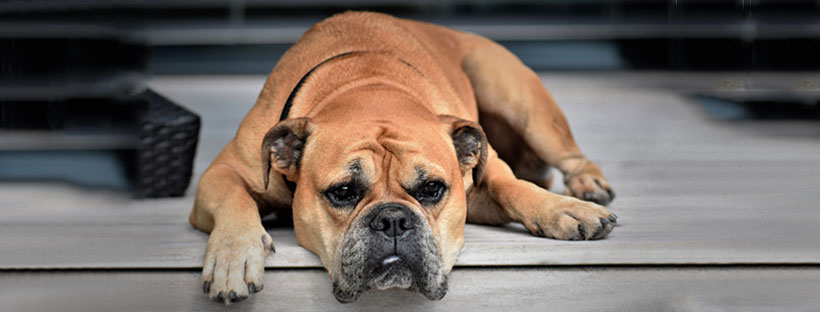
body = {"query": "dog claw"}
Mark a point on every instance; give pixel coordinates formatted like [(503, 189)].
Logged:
[(232, 295), (601, 232), (220, 297), (206, 287), (613, 218), (583, 231), (252, 288)]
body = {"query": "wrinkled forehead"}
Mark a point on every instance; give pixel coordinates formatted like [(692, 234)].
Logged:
[(369, 150)]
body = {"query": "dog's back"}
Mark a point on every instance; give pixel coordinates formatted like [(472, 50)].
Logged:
[(433, 50)]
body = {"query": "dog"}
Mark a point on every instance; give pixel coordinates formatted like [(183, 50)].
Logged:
[(381, 137)]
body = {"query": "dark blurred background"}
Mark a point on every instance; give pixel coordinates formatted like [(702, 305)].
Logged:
[(245, 36), (79, 67)]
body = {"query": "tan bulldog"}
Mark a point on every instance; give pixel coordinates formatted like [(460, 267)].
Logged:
[(368, 132)]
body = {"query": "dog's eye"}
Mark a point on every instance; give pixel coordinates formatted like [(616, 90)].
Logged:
[(343, 195), (430, 192)]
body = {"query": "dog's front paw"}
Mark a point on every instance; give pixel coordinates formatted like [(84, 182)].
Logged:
[(234, 265), (573, 219), (588, 183)]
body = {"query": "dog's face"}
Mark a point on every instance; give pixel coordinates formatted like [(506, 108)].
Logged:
[(380, 195)]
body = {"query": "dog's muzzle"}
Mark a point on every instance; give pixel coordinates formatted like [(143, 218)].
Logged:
[(391, 246)]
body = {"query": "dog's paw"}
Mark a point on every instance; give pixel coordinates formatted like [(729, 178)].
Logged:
[(573, 219), (589, 184), (234, 265)]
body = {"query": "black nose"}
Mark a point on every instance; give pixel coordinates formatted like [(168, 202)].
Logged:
[(392, 219)]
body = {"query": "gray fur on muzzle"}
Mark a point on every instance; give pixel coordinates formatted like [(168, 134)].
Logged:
[(364, 263)]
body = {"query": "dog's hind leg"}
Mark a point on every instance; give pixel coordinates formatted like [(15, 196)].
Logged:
[(512, 97), (512, 148)]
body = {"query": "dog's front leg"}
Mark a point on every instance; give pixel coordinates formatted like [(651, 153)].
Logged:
[(234, 265), (543, 213)]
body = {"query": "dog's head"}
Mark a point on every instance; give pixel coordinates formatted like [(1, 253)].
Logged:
[(380, 193)]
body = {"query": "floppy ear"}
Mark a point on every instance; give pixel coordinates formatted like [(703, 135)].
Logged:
[(283, 146), (470, 143)]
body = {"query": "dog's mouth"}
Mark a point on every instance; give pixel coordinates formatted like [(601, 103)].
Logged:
[(391, 272), (369, 259)]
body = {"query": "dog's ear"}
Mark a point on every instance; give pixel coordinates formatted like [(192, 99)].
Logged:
[(283, 146), (470, 143)]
